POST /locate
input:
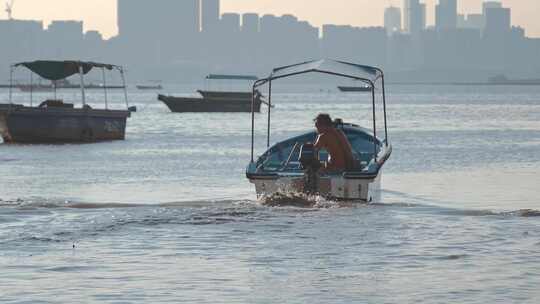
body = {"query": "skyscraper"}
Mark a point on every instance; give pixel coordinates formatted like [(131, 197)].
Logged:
[(131, 17), (490, 4), (145, 18), (446, 14), (414, 14), (230, 23), (498, 20), (210, 11), (392, 19), (250, 23)]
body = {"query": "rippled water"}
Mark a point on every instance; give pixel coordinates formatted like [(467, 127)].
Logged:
[(168, 216)]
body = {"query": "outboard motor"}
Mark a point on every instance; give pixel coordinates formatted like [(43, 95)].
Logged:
[(311, 165)]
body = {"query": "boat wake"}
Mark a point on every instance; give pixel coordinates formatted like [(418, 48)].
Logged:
[(276, 200), (301, 200)]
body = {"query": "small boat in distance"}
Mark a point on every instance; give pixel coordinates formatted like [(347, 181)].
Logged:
[(53, 120), (351, 89), (503, 80), (217, 101), (157, 87), (292, 166)]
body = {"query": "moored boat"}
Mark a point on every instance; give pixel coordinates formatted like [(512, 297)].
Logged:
[(293, 166), (149, 87), (213, 101), (54, 121), (352, 89)]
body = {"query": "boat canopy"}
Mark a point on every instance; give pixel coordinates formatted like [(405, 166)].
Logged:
[(231, 77), (57, 70), (364, 73)]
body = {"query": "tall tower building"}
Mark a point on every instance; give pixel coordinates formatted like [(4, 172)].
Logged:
[(446, 14), (210, 10), (414, 14), (250, 23), (131, 16), (498, 20), (392, 19), (143, 18)]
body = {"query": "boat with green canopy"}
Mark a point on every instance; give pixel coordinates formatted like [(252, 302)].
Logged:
[(216, 100), (55, 121)]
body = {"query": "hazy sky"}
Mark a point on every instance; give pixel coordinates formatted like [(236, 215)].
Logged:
[(101, 14)]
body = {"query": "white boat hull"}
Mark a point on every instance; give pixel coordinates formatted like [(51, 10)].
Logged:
[(332, 187)]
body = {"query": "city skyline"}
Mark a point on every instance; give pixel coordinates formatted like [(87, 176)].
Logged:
[(100, 15), (188, 39)]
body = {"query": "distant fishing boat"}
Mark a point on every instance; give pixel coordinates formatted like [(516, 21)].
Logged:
[(503, 80), (150, 87), (216, 101), (53, 120), (294, 166), (352, 89)]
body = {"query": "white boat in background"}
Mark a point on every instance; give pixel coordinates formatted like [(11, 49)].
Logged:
[(292, 166)]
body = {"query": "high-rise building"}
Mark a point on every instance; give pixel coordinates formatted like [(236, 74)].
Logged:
[(158, 18), (414, 14), (446, 14), (490, 4), (498, 20), (250, 23), (230, 23), (210, 10), (471, 21), (131, 18), (392, 19)]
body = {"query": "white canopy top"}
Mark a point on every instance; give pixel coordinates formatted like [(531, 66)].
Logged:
[(329, 66)]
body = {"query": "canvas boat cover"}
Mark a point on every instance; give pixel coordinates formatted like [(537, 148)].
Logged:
[(57, 70), (329, 66)]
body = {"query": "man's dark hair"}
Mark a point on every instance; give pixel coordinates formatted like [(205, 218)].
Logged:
[(324, 119)]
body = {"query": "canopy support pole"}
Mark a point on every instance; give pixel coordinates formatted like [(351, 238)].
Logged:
[(105, 88), (384, 107), (269, 111), (124, 85), (252, 122), (11, 84), (54, 88), (31, 88), (374, 123), (81, 73)]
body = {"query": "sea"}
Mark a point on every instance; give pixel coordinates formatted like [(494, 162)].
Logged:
[(168, 216)]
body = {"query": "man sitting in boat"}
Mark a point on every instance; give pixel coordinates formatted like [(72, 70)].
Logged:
[(334, 141)]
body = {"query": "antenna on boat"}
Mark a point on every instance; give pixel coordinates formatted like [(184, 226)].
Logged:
[(9, 9)]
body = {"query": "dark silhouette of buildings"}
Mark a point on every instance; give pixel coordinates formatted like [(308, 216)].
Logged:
[(185, 40), (392, 20), (414, 14), (446, 15)]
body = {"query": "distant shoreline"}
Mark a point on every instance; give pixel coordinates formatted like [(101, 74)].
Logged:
[(524, 83)]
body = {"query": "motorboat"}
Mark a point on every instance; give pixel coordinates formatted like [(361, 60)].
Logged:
[(214, 100), (353, 89), (293, 166), (156, 87), (55, 121)]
